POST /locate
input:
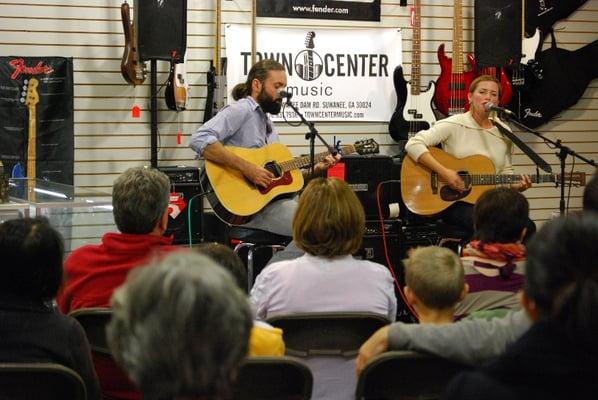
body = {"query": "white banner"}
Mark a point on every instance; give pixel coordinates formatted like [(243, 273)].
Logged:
[(334, 74)]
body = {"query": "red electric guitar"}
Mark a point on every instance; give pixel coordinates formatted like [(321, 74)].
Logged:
[(453, 83)]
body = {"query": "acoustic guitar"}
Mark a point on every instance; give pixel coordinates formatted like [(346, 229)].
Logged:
[(424, 193), (235, 200)]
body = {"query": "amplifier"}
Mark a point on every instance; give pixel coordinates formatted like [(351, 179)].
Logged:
[(363, 174), (184, 182), (418, 235)]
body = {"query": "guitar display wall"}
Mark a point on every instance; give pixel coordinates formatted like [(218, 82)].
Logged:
[(161, 29), (497, 26)]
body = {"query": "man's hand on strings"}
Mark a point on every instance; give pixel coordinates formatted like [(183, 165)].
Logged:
[(258, 175), (328, 162)]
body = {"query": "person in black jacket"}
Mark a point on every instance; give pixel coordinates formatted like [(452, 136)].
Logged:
[(557, 357), (31, 254)]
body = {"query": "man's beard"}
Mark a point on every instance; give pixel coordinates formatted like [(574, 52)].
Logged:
[(268, 104)]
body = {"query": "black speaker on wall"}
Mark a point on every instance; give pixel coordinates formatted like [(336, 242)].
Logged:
[(161, 27), (184, 182), (497, 32)]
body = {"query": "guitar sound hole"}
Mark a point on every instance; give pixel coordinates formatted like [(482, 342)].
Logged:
[(273, 167)]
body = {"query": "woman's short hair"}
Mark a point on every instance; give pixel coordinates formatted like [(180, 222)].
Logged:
[(329, 220), (435, 275), (500, 215), (140, 197), (562, 273), (180, 327), (31, 253)]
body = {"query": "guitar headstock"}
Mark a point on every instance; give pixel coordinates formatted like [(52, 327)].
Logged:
[(575, 179), (31, 97), (309, 40), (367, 146)]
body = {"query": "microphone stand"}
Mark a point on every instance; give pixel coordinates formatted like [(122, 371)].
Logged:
[(562, 154), (311, 135)]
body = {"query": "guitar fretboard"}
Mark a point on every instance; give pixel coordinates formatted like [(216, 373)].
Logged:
[(300, 162), (416, 51), (503, 179)]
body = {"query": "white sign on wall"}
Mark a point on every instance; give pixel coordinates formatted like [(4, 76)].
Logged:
[(334, 74)]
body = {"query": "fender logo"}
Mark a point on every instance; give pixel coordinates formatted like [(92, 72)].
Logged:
[(528, 113), (20, 68)]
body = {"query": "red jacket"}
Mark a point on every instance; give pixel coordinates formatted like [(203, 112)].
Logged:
[(92, 273)]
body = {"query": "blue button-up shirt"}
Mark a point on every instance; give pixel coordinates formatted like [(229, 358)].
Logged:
[(241, 124)]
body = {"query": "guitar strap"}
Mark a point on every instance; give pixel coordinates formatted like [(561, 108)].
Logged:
[(519, 143)]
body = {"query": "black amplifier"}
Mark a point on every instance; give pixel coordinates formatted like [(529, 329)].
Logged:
[(391, 226), (184, 181)]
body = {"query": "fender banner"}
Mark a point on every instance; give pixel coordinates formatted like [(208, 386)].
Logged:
[(359, 10), (333, 74), (36, 98)]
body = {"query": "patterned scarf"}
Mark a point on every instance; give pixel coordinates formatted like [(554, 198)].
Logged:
[(509, 252)]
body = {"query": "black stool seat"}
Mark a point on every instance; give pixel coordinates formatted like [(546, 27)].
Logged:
[(257, 236)]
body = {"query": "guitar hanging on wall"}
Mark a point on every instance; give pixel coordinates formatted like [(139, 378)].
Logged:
[(453, 83), (31, 99), (414, 107), (215, 78), (131, 68), (177, 87)]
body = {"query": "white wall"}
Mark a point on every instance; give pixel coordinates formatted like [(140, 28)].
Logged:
[(108, 140)]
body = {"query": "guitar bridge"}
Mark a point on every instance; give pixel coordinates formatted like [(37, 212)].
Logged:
[(434, 182)]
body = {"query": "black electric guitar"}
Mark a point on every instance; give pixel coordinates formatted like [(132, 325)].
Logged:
[(414, 107)]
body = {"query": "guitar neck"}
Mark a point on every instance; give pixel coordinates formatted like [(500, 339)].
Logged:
[(457, 61), (416, 51), (505, 179), (301, 162)]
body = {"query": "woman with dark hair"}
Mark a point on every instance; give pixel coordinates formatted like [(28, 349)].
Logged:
[(558, 357), (31, 331), (328, 225), (494, 261)]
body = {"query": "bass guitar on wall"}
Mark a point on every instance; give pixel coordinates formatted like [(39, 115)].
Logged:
[(453, 83), (414, 107), (132, 70), (177, 88)]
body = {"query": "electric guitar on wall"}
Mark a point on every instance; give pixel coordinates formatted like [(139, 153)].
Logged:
[(215, 78), (453, 83), (414, 113), (424, 193), (177, 88), (235, 200), (133, 70), (31, 99)]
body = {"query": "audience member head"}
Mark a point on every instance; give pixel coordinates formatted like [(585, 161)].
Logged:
[(230, 260), (561, 280), (434, 281), (180, 328), (140, 198), (329, 220), (590, 195), (500, 216), (31, 254)]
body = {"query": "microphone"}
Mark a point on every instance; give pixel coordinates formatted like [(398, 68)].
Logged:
[(284, 94), (491, 107)]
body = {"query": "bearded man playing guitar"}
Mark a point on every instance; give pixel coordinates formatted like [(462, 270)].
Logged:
[(246, 124), (463, 135)]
